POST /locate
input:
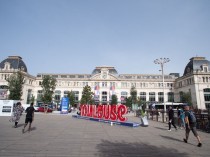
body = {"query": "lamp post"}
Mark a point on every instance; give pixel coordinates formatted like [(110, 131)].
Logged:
[(162, 61)]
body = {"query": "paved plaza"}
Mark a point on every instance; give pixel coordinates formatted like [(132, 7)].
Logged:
[(55, 135)]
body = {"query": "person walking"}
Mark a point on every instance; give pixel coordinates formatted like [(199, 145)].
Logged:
[(190, 123), (17, 112), (171, 118), (182, 118), (29, 117)]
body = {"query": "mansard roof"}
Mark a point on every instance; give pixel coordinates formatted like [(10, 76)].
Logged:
[(14, 62), (196, 64)]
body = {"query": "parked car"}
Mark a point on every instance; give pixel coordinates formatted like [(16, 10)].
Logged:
[(41, 109), (36, 108)]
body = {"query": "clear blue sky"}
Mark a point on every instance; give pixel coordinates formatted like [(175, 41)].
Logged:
[(75, 36)]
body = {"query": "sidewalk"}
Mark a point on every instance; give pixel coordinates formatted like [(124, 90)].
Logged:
[(56, 135)]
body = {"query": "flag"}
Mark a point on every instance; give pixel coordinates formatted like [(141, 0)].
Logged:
[(112, 91), (97, 90)]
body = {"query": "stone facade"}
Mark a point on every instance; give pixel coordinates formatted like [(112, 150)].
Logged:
[(105, 81)]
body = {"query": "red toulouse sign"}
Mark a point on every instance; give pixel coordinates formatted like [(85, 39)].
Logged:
[(107, 112)]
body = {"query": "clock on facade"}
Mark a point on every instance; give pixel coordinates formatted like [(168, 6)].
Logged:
[(104, 75)]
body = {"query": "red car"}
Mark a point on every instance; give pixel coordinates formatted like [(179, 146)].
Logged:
[(41, 109)]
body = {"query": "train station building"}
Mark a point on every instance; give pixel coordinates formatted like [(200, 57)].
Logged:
[(106, 81)]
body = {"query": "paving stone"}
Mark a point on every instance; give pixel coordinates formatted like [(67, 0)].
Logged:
[(55, 135)]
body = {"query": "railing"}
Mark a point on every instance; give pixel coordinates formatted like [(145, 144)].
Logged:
[(203, 119), (157, 115)]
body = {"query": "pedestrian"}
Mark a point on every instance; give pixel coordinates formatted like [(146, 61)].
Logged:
[(190, 123), (182, 118), (171, 118), (17, 112), (29, 117)]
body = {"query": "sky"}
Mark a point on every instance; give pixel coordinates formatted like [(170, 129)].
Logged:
[(75, 36)]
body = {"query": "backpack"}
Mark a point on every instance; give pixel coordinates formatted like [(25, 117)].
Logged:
[(192, 118)]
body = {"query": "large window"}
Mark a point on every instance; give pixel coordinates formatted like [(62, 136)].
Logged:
[(76, 96), (66, 93), (29, 96), (207, 97), (151, 96), (207, 94), (207, 105), (57, 95), (170, 97), (160, 97), (143, 96), (39, 95), (123, 96), (181, 96), (104, 97)]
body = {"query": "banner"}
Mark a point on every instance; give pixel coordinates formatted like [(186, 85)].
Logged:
[(64, 105)]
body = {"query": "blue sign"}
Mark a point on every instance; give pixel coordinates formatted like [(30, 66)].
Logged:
[(64, 105)]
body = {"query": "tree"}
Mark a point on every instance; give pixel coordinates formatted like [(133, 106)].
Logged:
[(133, 93), (15, 85), (71, 97), (186, 97), (140, 102), (114, 100), (87, 96), (128, 101), (48, 87)]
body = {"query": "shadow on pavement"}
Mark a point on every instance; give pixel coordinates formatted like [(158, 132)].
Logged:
[(114, 149), (160, 128), (20, 125), (33, 128), (174, 139)]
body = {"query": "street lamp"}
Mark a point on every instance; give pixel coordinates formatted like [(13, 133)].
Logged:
[(162, 61)]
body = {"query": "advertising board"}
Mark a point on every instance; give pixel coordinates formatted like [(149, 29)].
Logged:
[(6, 107)]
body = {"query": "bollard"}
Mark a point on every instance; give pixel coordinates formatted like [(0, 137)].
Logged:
[(111, 123)]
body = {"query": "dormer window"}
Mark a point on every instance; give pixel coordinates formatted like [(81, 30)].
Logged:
[(22, 68), (6, 66), (205, 68)]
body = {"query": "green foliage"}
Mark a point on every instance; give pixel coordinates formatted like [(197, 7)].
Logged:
[(133, 93), (142, 113), (114, 100), (71, 97), (128, 101), (185, 97), (87, 96), (48, 85), (15, 85)]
